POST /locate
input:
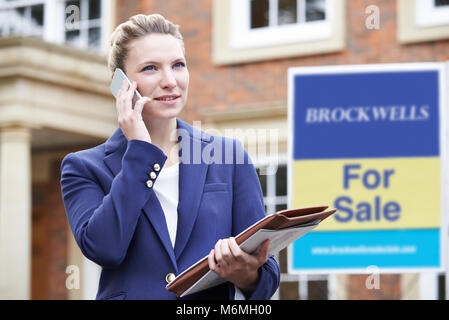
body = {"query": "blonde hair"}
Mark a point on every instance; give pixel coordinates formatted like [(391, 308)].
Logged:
[(138, 26)]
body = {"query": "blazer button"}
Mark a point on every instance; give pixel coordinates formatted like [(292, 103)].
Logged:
[(153, 175), (156, 167), (149, 183), (170, 277)]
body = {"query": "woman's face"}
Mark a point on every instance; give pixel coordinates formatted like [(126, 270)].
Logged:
[(156, 62)]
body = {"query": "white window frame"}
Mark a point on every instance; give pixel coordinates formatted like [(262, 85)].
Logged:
[(268, 168), (271, 200), (55, 16), (428, 15), (243, 37)]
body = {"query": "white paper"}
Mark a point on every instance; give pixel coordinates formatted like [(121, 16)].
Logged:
[(279, 239)]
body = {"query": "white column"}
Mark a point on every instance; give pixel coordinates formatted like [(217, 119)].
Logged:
[(303, 287), (15, 213), (337, 286)]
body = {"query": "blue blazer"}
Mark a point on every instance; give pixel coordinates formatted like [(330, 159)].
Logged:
[(118, 222)]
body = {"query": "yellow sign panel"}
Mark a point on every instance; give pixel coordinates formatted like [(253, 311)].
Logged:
[(386, 193)]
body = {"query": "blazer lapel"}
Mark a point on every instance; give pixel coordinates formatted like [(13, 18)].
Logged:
[(192, 175), (115, 148), (154, 212)]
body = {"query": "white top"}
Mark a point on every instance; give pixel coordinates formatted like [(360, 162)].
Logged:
[(168, 196)]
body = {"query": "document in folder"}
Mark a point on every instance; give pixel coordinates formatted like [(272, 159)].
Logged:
[(282, 228)]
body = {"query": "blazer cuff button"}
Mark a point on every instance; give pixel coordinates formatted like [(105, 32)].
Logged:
[(170, 277), (149, 183)]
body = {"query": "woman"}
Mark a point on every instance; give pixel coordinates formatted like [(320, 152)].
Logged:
[(141, 205)]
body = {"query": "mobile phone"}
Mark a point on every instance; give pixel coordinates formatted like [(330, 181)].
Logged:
[(117, 82)]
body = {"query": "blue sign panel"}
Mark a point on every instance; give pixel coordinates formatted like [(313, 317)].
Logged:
[(366, 115)]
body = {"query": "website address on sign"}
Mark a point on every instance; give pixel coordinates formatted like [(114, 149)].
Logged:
[(362, 249)]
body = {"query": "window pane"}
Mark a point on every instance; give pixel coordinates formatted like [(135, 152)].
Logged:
[(72, 3), (17, 22), (281, 181), (72, 16), (94, 9), (287, 12), (26, 20), (439, 3), (72, 36), (94, 37), (37, 15), (20, 11), (317, 290), (315, 10), (263, 182), (280, 207), (259, 13)]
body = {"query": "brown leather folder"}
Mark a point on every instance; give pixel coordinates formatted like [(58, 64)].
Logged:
[(280, 220)]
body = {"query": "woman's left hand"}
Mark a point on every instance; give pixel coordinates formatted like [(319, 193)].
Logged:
[(233, 264)]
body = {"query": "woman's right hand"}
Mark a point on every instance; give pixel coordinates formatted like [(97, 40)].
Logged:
[(130, 119)]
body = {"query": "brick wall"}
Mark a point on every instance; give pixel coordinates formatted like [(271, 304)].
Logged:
[(389, 288), (49, 239)]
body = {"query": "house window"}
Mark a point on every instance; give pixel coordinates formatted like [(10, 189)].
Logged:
[(431, 12), (274, 187), (258, 23), (265, 13), (273, 180), (256, 30), (22, 17), (81, 23)]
